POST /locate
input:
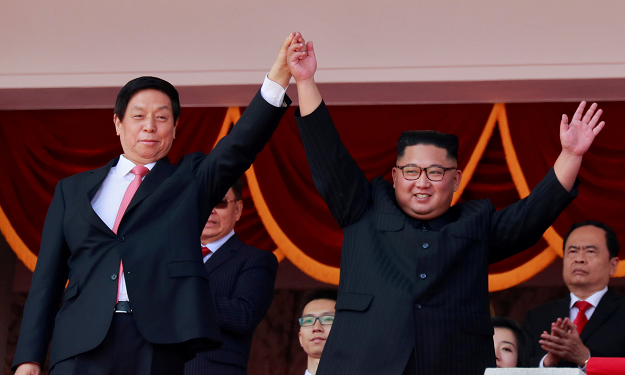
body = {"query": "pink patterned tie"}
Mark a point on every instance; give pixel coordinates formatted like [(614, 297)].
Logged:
[(139, 171), (581, 319)]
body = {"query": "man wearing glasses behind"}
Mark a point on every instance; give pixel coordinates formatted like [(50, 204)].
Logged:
[(315, 324), (241, 280)]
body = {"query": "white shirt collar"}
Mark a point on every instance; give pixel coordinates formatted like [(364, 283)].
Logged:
[(593, 299), (214, 246), (124, 166)]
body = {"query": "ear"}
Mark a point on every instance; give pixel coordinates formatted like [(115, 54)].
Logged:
[(457, 179), (299, 336), (613, 266), (175, 127), (394, 173), (238, 209), (118, 123)]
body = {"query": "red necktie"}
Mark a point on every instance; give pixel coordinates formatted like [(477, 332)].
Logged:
[(205, 251), (139, 171), (581, 319)]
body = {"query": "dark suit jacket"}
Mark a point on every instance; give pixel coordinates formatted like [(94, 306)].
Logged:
[(242, 281), (603, 335), (408, 285), (157, 240)]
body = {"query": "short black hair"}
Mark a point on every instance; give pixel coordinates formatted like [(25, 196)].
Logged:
[(330, 294), (610, 237), (449, 142), (237, 190), (503, 322), (146, 83)]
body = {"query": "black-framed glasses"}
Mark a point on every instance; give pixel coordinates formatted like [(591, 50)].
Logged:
[(224, 203), (434, 173), (308, 321)]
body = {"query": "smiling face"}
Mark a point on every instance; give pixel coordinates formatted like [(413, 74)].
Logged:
[(313, 338), (424, 199), (506, 347), (147, 130), (587, 262), (223, 218)]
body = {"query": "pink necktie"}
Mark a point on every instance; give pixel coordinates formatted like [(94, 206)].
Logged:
[(139, 171), (581, 319)]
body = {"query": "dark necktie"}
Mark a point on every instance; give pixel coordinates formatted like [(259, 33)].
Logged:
[(581, 319)]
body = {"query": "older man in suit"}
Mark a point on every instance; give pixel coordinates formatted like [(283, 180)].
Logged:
[(125, 236), (413, 294), (590, 322), (241, 280)]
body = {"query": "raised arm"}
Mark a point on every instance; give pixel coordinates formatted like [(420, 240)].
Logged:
[(337, 177), (576, 138), (303, 65)]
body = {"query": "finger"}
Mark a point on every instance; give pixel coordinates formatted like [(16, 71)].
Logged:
[(311, 50), (595, 118), (597, 129), (296, 37), (287, 42), (589, 113), (580, 111), (564, 126)]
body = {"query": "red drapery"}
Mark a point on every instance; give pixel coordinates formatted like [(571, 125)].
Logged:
[(504, 152)]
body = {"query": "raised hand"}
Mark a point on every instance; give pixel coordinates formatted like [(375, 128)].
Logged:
[(279, 72), (577, 136), (301, 59)]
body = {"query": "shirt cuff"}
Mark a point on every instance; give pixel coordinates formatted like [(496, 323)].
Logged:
[(273, 93), (542, 362)]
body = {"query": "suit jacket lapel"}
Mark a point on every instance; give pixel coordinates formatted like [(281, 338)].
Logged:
[(161, 171), (94, 180), (603, 311), (225, 252)]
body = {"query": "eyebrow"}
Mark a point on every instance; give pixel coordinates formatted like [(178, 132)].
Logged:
[(432, 165), (158, 109), (321, 314), (585, 247)]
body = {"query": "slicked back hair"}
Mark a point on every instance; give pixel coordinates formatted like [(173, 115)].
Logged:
[(610, 237), (330, 294), (237, 190), (449, 142), (146, 83)]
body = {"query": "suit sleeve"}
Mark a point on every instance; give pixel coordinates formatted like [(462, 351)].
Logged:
[(339, 180), (47, 287), (520, 225), (251, 297), (234, 153)]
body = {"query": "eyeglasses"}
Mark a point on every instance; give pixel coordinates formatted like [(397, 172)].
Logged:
[(434, 173), (308, 321), (224, 203)]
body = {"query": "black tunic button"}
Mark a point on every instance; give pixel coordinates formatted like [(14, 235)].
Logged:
[(423, 276), (113, 277), (426, 245)]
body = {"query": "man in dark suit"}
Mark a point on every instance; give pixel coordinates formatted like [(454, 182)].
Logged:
[(590, 322), (146, 314), (413, 294), (241, 280)]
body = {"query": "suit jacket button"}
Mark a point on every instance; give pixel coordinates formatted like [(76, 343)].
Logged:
[(423, 276), (426, 245), (120, 238), (418, 306), (113, 277)]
